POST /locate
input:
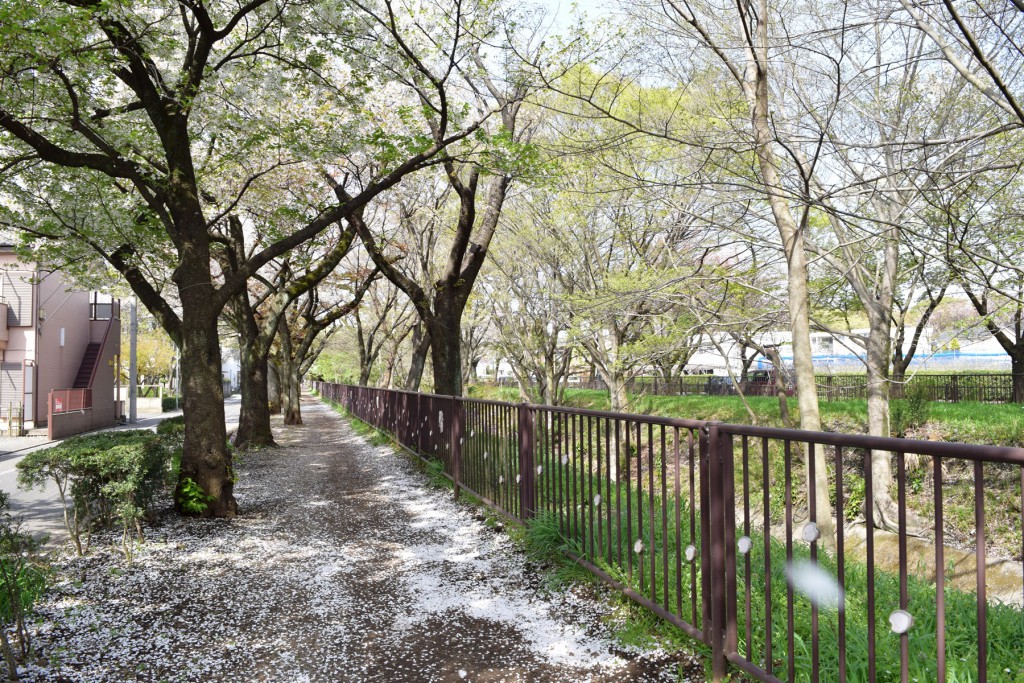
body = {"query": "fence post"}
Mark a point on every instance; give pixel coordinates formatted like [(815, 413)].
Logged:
[(456, 443), (720, 620), (527, 501), (705, 531)]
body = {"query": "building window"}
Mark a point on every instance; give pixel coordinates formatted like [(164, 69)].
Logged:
[(822, 345)]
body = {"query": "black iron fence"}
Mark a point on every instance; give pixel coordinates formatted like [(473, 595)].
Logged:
[(952, 388), (705, 524)]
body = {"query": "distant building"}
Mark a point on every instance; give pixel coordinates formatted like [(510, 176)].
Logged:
[(60, 351)]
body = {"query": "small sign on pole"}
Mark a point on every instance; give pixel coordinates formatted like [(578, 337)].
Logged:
[(58, 405)]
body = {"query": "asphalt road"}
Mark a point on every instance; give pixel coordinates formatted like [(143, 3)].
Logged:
[(40, 510)]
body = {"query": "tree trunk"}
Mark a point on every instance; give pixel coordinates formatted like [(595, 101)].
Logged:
[(618, 397), (899, 372), (780, 387), (420, 349), (293, 393), (877, 356), (254, 418), (274, 388), (205, 459), (445, 350), (550, 394), (364, 371), (365, 354), (756, 89), (1017, 368)]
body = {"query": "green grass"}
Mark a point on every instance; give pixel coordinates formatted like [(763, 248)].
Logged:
[(982, 423), (1005, 624)]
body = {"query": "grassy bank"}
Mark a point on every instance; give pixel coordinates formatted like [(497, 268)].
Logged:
[(999, 424), (587, 515)]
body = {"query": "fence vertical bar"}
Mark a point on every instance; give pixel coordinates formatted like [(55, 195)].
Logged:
[(705, 536), (726, 458), (456, 443), (527, 503), (940, 575), (841, 563), (979, 539), (869, 523)]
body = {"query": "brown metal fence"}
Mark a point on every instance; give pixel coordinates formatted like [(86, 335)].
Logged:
[(700, 522)]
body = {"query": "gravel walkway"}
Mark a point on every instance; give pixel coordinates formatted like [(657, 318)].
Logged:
[(344, 566)]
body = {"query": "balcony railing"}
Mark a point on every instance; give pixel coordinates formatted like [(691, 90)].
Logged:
[(70, 400)]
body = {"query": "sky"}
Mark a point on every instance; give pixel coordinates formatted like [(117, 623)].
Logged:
[(562, 9)]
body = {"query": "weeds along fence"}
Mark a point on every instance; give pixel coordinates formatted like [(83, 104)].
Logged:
[(705, 524), (953, 388)]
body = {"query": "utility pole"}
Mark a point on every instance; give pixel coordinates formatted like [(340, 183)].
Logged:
[(133, 364)]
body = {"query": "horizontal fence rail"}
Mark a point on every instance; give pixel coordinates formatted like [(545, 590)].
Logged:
[(952, 388), (715, 528)]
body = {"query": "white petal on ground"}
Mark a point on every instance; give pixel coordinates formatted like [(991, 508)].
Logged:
[(357, 572)]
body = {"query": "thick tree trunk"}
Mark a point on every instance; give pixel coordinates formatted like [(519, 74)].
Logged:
[(420, 350), (445, 352), (364, 373), (254, 418), (205, 459), (274, 393), (293, 394)]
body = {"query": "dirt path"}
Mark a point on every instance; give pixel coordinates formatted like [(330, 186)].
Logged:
[(344, 566)]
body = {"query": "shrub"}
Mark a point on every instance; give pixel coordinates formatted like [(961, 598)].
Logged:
[(102, 479), (172, 426), (22, 579), (170, 403), (911, 413)]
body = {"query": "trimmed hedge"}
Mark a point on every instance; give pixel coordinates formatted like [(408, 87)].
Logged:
[(103, 479)]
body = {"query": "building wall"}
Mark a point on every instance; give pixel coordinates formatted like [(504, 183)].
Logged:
[(103, 408), (58, 365), (69, 424), (18, 289)]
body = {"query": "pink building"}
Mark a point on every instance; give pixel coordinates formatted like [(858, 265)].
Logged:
[(60, 351)]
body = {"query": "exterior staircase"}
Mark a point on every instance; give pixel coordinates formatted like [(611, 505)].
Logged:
[(85, 370)]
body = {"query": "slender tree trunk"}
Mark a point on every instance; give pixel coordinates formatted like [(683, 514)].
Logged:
[(420, 350), (899, 370), (205, 458), (617, 395), (1017, 368), (780, 387), (550, 396), (756, 89), (877, 356), (365, 354)]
